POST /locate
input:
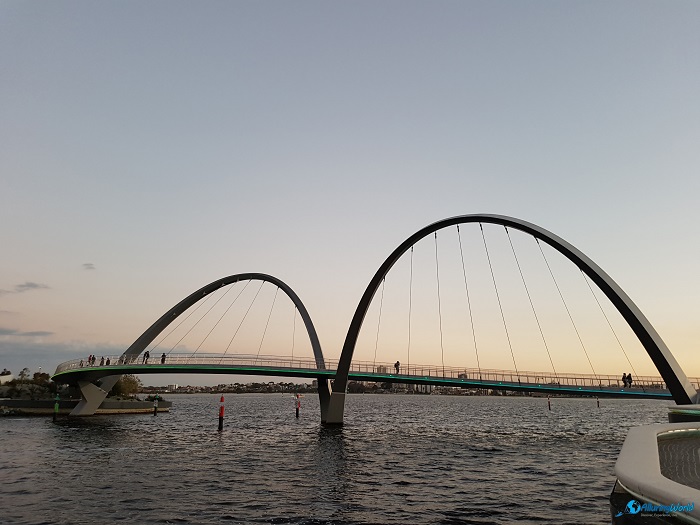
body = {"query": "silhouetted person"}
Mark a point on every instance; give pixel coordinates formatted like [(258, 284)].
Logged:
[(162, 359), (397, 365), (102, 361), (624, 379), (107, 363), (146, 355), (629, 380)]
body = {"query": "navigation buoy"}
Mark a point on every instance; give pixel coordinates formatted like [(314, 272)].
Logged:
[(549, 403), (221, 414), (55, 407), (297, 404), (155, 405), (597, 400)]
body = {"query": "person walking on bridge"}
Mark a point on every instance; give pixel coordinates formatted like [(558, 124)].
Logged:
[(397, 366), (146, 355)]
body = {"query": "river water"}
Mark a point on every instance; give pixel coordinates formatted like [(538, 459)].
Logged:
[(398, 459)]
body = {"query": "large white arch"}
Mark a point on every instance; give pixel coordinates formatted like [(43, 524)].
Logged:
[(678, 384)]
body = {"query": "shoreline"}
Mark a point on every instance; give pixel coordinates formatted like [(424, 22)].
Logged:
[(46, 407)]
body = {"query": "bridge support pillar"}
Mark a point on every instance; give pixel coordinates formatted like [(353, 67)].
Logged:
[(93, 395), (324, 397), (335, 410)]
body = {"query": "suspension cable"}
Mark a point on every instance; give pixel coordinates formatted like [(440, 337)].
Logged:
[(469, 304), (611, 326), (217, 322), (199, 305), (379, 322), (437, 276), (583, 346), (410, 305), (267, 322), (500, 306), (246, 315), (534, 312), (205, 314), (294, 330)]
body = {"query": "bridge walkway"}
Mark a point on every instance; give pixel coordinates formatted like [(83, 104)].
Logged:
[(410, 374)]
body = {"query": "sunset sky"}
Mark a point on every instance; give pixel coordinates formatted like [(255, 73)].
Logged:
[(149, 148)]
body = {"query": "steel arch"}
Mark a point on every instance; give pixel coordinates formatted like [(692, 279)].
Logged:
[(92, 395), (168, 317), (678, 384)]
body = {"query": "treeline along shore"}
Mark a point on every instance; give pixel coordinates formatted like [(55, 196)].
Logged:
[(35, 394)]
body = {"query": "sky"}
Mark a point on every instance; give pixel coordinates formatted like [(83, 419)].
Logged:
[(149, 148)]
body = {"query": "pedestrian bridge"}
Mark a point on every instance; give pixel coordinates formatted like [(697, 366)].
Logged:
[(644, 387), (333, 377)]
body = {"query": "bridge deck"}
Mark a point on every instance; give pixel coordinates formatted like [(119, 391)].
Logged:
[(568, 384)]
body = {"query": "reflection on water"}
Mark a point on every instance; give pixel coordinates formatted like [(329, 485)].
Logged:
[(398, 459)]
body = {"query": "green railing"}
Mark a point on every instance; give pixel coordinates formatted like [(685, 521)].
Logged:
[(368, 368)]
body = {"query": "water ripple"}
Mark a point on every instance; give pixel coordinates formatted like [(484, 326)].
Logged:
[(399, 459)]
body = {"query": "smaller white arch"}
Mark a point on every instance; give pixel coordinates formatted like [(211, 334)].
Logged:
[(168, 317), (93, 395)]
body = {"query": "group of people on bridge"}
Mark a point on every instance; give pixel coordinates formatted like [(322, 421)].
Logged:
[(123, 360), (147, 356), (627, 380), (91, 359)]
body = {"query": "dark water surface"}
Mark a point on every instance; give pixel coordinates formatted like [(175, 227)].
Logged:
[(398, 459)]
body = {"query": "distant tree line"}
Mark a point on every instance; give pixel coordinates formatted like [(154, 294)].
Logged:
[(26, 385), (128, 386), (39, 386)]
